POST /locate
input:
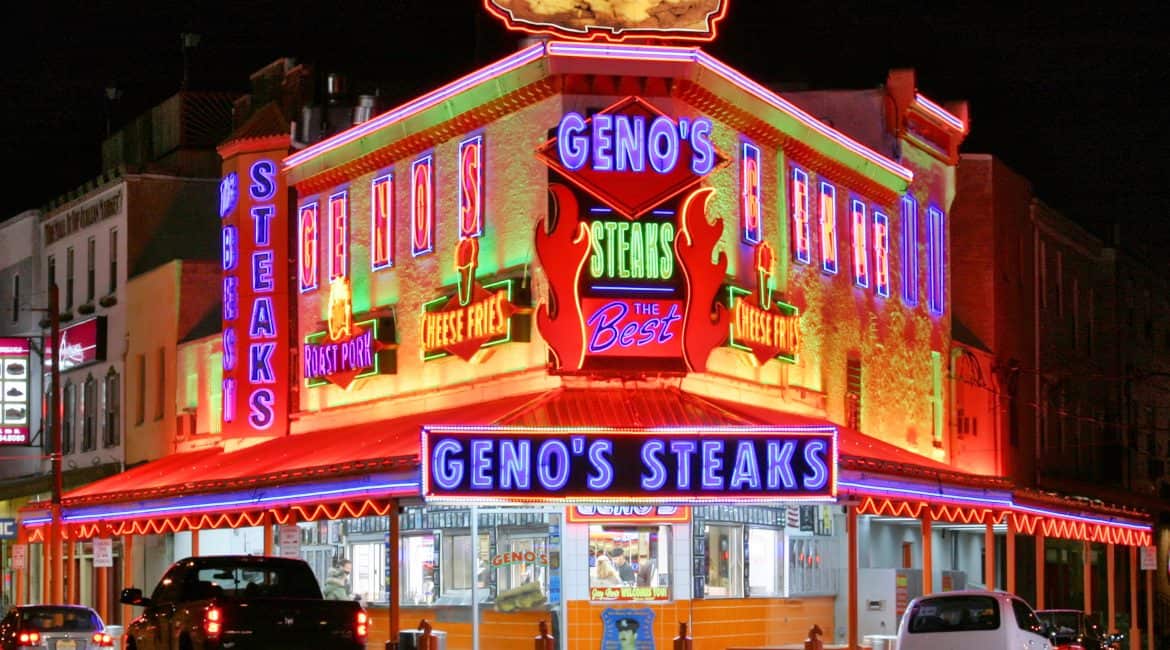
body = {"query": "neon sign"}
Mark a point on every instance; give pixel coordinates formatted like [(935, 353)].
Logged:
[(477, 316), (382, 222), (422, 206), (80, 344), (338, 236), (14, 399), (255, 296), (309, 240), (801, 246), (632, 156), (686, 465), (936, 271), (346, 350), (626, 222), (767, 328), (860, 250), (608, 25), (229, 192), (828, 228), (909, 250), (881, 254), (471, 212), (751, 203), (627, 514)]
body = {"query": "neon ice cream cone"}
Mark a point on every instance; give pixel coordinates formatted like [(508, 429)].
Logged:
[(466, 259), (765, 262)]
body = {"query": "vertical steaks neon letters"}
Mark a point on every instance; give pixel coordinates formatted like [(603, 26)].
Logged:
[(308, 245)]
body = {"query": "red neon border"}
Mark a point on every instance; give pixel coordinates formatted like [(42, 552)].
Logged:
[(610, 35), (682, 516)]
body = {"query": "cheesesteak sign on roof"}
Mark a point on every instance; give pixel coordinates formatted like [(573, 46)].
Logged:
[(613, 20)]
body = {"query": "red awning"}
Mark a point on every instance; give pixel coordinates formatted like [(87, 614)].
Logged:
[(374, 446)]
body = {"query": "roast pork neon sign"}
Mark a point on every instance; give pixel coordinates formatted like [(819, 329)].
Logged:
[(346, 350), (689, 464)]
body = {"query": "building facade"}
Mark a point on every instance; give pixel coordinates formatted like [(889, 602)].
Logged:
[(606, 337)]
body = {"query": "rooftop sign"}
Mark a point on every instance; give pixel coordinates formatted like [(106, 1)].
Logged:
[(613, 20)]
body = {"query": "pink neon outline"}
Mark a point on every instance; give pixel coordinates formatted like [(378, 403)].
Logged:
[(388, 180), (433, 98), (802, 255), (860, 250), (429, 162), (661, 53), (341, 197), (751, 151), (315, 207), (829, 245), (881, 254), (476, 140), (939, 112)]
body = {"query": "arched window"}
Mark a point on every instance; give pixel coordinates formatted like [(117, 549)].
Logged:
[(112, 405), (68, 413), (89, 414)]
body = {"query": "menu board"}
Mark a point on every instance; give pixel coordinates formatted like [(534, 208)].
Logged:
[(14, 391)]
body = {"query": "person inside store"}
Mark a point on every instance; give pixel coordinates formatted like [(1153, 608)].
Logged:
[(625, 571), (604, 573), (645, 571), (627, 633), (337, 585)]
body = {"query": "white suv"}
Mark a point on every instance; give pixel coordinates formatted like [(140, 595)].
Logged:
[(971, 620)]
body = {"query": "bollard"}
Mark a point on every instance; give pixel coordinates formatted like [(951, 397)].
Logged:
[(812, 642), (544, 640), (426, 641), (682, 641)]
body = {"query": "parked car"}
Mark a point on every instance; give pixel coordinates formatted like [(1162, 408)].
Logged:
[(243, 602), (971, 620), (60, 627), (1070, 629)]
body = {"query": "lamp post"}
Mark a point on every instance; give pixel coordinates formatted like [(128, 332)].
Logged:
[(56, 583)]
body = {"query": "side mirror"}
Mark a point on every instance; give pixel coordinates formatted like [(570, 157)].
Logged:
[(133, 596)]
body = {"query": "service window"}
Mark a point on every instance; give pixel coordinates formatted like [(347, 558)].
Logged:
[(417, 570), (521, 566), (724, 561), (812, 568), (765, 562), (629, 563)]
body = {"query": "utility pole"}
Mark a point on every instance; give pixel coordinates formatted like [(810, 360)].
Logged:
[(56, 582)]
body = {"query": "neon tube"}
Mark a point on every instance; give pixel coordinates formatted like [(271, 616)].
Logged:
[(939, 112)]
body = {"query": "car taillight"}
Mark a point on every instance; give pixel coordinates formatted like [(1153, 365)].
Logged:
[(29, 638), (212, 622), (102, 640), (363, 625)]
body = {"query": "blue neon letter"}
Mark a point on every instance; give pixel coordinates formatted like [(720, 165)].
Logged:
[(684, 449), (814, 455), (446, 472), (572, 147), (600, 453), (655, 477), (481, 465), (712, 462), (663, 144), (746, 471), (552, 478), (780, 464), (514, 458), (703, 158)]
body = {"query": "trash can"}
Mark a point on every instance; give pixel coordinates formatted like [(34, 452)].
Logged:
[(410, 639)]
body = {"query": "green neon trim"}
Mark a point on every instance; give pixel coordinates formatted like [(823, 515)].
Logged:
[(434, 305), (733, 294), (316, 337)]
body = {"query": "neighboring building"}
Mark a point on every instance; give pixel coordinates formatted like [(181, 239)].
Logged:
[(586, 308)]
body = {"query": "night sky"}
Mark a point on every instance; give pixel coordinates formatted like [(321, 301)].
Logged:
[(1073, 98)]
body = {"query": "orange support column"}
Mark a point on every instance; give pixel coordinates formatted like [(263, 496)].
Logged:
[(1134, 639), (101, 592), (392, 549), (194, 542), (851, 525), (1087, 575), (268, 529), (1111, 589), (1041, 558), (1010, 555), (71, 592), (989, 555), (46, 570), (927, 553), (19, 598), (127, 572)]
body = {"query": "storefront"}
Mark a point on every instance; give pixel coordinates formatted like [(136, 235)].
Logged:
[(624, 338)]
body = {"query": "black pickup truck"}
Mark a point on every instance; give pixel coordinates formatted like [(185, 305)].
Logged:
[(242, 602)]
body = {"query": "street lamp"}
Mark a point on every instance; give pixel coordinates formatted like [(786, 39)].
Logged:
[(53, 541)]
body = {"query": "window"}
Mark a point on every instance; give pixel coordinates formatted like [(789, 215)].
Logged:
[(91, 249), (936, 401), (140, 390), (828, 228), (458, 568), (953, 614), (936, 271), (113, 280), (853, 393), (1026, 618), (52, 273), (765, 562), (909, 250), (812, 563), (68, 411), (417, 586), (629, 563), (89, 414), (111, 402), (15, 297), (69, 278), (859, 216), (160, 397), (1060, 283), (724, 561)]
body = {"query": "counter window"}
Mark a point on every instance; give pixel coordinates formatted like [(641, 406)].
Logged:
[(417, 570), (765, 562), (629, 563), (724, 560), (726, 571)]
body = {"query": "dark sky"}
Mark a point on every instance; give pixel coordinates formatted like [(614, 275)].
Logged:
[(1071, 98)]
